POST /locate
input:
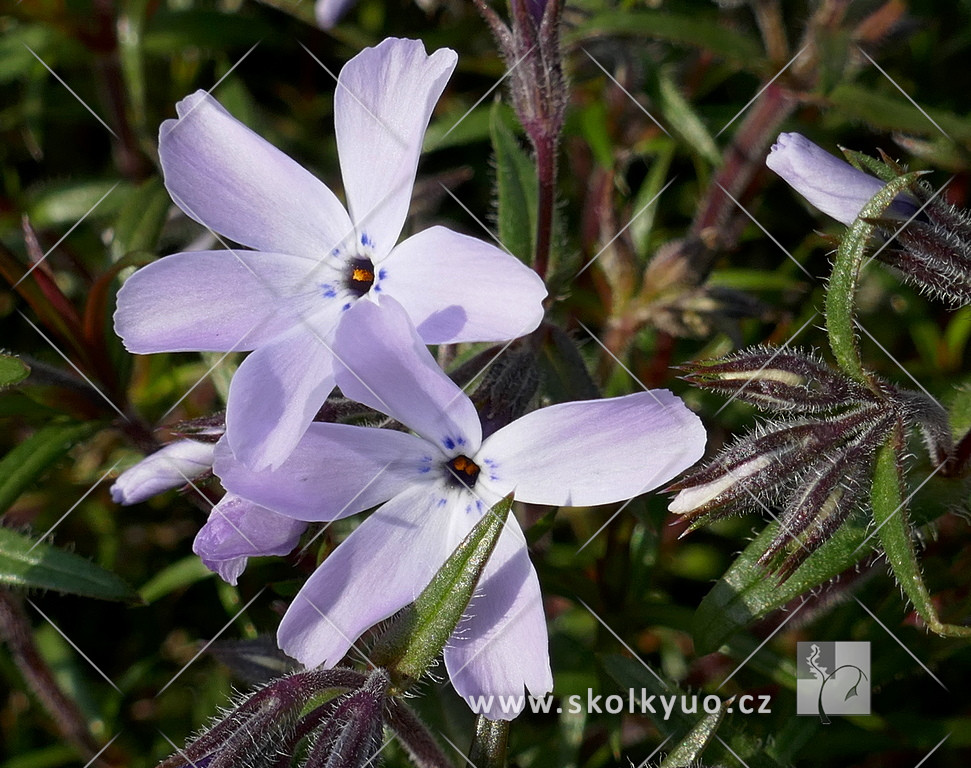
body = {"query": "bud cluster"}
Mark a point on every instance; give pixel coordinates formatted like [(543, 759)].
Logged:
[(530, 46), (327, 718), (814, 463)]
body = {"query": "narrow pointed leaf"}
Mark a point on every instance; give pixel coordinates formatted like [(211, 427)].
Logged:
[(746, 594), (895, 535), (25, 463), (701, 30), (422, 629), (140, 221), (28, 564), (516, 188), (692, 745)]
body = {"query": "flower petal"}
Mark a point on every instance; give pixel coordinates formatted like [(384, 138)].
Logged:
[(335, 470), (501, 646), (382, 362), (385, 97), (486, 295), (238, 529), (275, 395), (381, 567), (832, 185), (169, 467), (233, 181), (593, 451), (214, 301)]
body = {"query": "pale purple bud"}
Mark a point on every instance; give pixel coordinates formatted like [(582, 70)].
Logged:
[(238, 529), (170, 467), (329, 12), (832, 185)]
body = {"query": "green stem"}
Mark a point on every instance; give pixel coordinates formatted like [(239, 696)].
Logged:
[(489, 743), (841, 293)]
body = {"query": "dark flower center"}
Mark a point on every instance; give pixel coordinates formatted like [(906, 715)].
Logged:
[(359, 276), (464, 470)]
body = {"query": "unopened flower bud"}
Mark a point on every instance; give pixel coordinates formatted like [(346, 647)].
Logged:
[(352, 735), (832, 185), (930, 249), (254, 732), (530, 46), (170, 467), (777, 380), (507, 388)]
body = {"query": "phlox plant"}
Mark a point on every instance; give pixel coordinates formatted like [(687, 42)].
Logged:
[(504, 384)]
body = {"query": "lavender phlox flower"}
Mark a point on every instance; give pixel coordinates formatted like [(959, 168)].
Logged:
[(434, 484), (828, 183), (238, 529), (172, 466), (311, 260)]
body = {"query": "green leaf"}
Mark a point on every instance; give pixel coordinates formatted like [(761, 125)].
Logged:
[(516, 189), (896, 113), (682, 119), (594, 125), (746, 593), (30, 564), (460, 128), (417, 637), (140, 220), (841, 294), (47, 757), (25, 463), (13, 370), (896, 537), (646, 203), (706, 32), (179, 575), (689, 749), (62, 204), (212, 30)]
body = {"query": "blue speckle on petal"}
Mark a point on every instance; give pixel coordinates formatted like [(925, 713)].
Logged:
[(442, 502), (382, 273), (328, 290), (460, 440), (449, 443), (346, 307)]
